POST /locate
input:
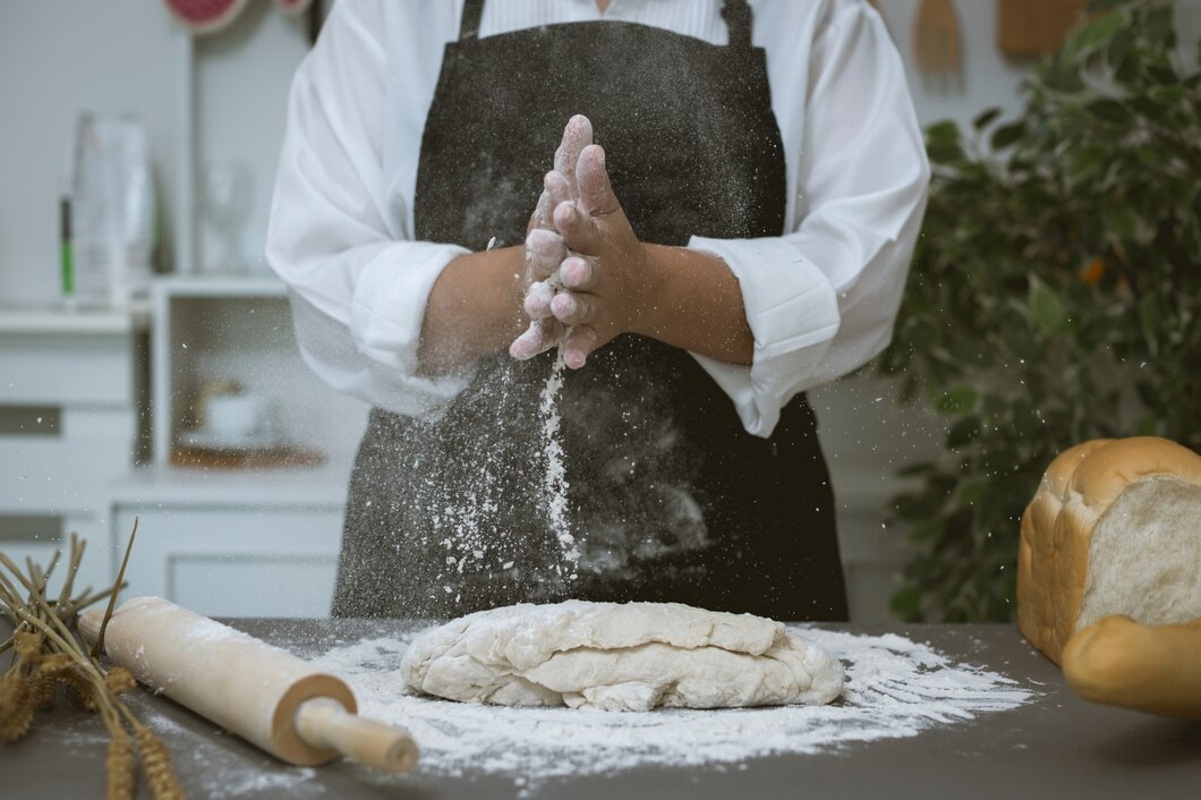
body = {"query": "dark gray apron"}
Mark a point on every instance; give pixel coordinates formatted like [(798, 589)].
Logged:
[(668, 498)]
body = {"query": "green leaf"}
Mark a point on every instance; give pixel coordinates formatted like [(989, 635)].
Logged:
[(943, 143), (1063, 80), (946, 131), (947, 153), (1121, 221), (971, 492), (1085, 162), (927, 531), (985, 118), (1149, 107), (1098, 32), (1110, 110), (906, 604), (1148, 427), (963, 432), (1007, 135), (1171, 96), (1119, 48), (1163, 74), (1159, 27), (958, 401), (1046, 307), (1150, 322)]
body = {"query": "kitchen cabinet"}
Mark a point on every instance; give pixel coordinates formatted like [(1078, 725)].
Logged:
[(92, 408), (232, 543), (237, 330), (236, 530), (73, 418)]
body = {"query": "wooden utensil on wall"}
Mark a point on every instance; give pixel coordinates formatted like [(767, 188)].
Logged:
[(937, 40), (1030, 28)]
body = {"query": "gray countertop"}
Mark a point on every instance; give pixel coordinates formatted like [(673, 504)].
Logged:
[(1054, 745)]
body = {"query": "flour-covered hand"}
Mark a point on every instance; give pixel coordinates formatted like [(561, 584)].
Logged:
[(604, 277), (544, 248)]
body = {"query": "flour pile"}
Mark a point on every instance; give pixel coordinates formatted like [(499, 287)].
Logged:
[(895, 688)]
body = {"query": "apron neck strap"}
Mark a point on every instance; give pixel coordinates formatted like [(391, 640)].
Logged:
[(736, 13), (469, 25)]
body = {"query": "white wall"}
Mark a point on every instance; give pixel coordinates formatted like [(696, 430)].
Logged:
[(58, 57), (242, 78)]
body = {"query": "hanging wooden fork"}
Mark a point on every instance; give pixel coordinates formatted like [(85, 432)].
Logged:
[(937, 43)]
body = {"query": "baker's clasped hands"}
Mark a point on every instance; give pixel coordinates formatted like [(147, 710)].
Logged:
[(581, 257)]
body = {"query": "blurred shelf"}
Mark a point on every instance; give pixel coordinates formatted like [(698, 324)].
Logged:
[(322, 486), (68, 319)]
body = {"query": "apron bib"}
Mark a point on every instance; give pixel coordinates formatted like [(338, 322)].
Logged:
[(668, 498)]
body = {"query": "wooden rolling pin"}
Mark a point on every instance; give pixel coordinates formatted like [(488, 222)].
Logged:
[(264, 694)]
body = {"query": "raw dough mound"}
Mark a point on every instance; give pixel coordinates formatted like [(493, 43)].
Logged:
[(619, 656)]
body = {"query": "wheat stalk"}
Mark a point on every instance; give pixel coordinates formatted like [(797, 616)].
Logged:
[(47, 653)]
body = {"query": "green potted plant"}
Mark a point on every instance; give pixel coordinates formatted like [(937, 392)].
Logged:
[(1055, 295)]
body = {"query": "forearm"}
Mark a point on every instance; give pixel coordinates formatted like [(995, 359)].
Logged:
[(472, 310), (693, 301)]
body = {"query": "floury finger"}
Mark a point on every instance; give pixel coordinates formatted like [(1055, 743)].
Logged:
[(544, 251), (576, 136), (556, 188), (542, 335)]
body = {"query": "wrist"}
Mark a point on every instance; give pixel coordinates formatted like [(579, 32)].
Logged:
[(653, 265), (690, 299), (472, 310)]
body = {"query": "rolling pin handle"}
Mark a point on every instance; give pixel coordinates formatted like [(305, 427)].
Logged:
[(323, 722)]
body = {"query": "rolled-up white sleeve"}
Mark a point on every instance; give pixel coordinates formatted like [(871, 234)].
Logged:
[(822, 299), (357, 281)]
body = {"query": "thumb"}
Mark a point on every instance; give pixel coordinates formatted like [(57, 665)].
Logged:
[(596, 192)]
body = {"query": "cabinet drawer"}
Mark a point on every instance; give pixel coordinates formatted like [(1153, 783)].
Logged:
[(96, 370), (64, 465), (37, 537), (235, 561)]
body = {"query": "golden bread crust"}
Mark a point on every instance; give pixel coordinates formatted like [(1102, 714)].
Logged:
[(1076, 490)]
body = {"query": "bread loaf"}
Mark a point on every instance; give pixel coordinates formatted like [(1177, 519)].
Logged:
[(1113, 529), (1151, 668)]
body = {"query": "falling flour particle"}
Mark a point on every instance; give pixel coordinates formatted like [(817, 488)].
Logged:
[(554, 485)]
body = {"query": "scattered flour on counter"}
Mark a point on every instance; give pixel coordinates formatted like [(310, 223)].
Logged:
[(237, 783), (203, 762), (895, 688)]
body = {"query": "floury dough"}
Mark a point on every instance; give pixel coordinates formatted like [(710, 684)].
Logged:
[(619, 657)]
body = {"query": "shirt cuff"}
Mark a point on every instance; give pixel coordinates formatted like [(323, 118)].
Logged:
[(389, 302), (793, 315)]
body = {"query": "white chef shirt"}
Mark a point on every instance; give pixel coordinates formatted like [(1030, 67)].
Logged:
[(821, 299)]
